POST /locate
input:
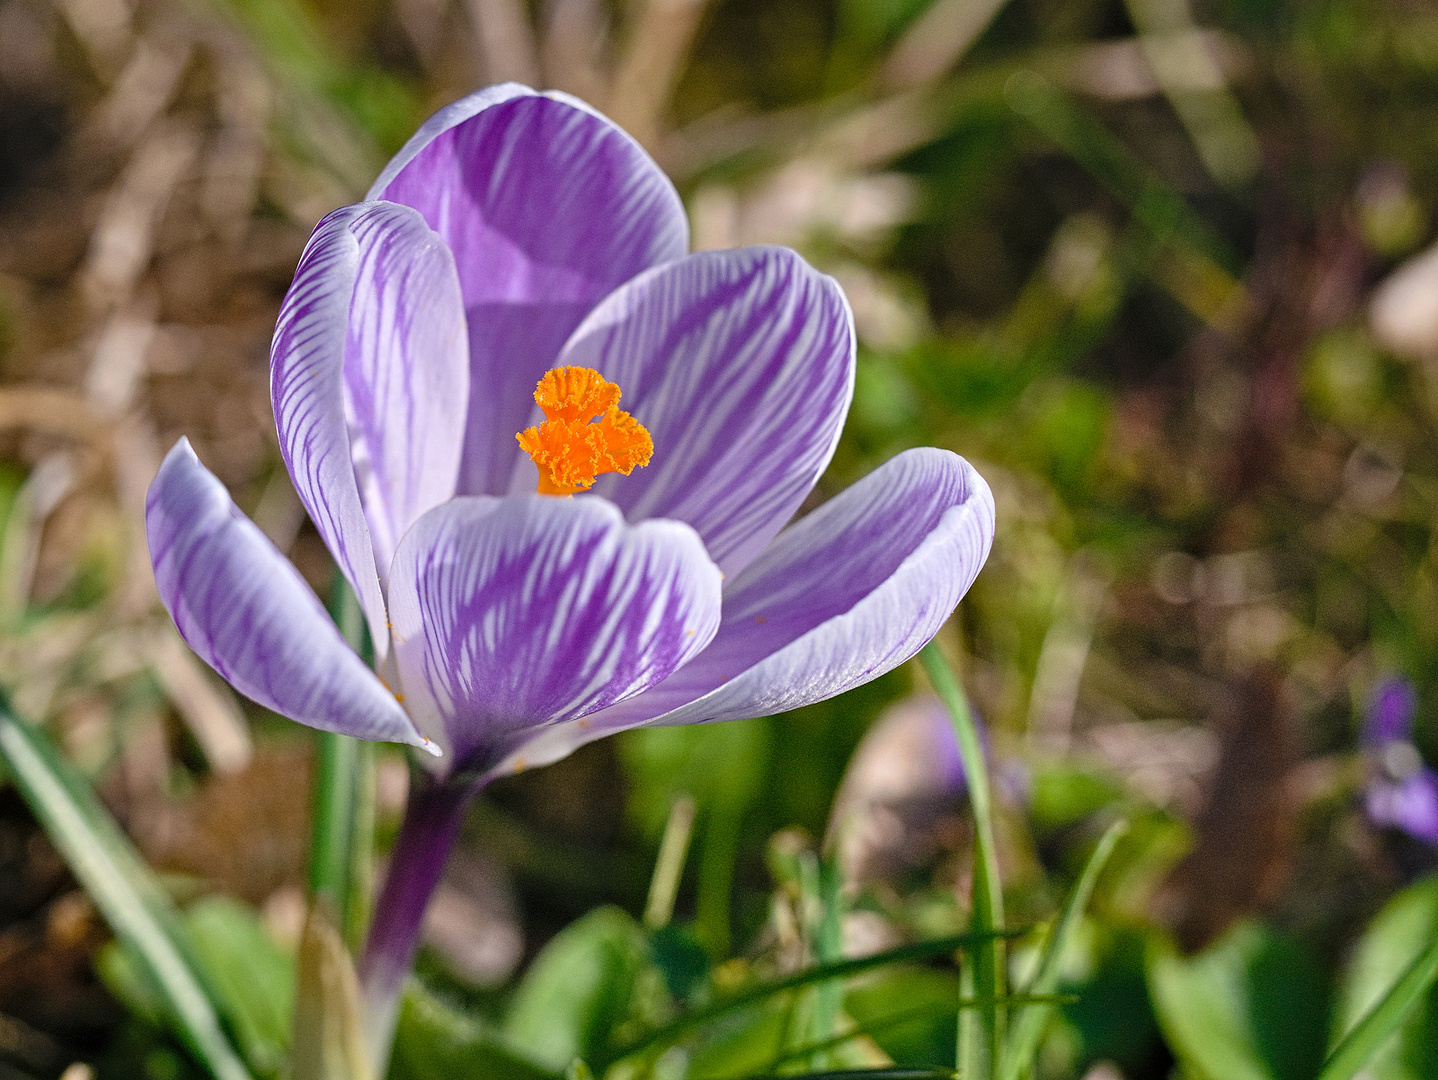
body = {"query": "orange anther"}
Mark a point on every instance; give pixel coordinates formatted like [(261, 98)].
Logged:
[(575, 393), (569, 450), (624, 444)]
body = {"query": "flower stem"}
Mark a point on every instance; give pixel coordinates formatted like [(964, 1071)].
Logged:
[(432, 822)]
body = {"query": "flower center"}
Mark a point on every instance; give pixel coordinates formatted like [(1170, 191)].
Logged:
[(570, 450)]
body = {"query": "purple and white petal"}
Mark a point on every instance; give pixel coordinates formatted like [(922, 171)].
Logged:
[(511, 614), (406, 364), (548, 207), (248, 614), (847, 593), (741, 365), (368, 376), (456, 112)]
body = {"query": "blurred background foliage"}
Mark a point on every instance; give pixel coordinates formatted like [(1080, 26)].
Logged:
[(1156, 267)]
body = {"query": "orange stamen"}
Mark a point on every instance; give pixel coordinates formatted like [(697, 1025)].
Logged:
[(569, 450)]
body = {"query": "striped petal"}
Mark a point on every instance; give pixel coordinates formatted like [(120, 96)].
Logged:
[(369, 375), (847, 593), (548, 207), (248, 614), (512, 614), (741, 365)]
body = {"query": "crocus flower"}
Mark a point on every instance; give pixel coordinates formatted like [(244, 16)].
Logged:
[(1403, 792), (447, 371)]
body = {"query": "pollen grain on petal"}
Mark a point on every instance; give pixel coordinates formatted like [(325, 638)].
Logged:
[(570, 450)]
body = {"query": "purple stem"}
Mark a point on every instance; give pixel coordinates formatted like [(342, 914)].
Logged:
[(432, 821)]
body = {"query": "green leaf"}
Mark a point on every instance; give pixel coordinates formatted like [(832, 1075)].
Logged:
[(126, 976), (122, 887), (331, 823), (875, 21), (578, 989), (924, 1038), (816, 1011), (251, 976), (981, 1031), (1064, 794), (922, 950), (741, 1043), (251, 972), (436, 1042), (680, 960), (1401, 1033), (1113, 1018), (847, 1050), (1252, 1006), (1028, 1026)]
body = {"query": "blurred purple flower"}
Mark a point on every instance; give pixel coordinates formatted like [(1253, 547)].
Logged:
[(1403, 792), (899, 802), (1390, 711), (514, 234), (904, 787)]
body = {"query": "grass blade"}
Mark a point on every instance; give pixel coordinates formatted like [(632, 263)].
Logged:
[(359, 902), (921, 950), (857, 1031), (669, 866), (331, 826), (1028, 1024), (828, 947), (342, 823), (814, 1015), (113, 875), (1381, 1021), (1200, 266), (1156, 204), (981, 1032), (894, 1019)]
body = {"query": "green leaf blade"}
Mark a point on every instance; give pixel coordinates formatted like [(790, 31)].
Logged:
[(1388, 1030), (1251, 1006), (980, 1032), (103, 861), (1028, 1027), (921, 950), (342, 824)]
